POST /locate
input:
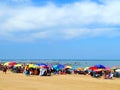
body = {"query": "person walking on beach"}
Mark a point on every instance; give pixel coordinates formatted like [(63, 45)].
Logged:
[(5, 69)]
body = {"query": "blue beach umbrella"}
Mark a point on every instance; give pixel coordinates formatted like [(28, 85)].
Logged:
[(61, 66), (55, 67), (100, 66), (58, 67), (42, 64)]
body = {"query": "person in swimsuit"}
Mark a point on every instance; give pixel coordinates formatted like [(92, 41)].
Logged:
[(5, 69)]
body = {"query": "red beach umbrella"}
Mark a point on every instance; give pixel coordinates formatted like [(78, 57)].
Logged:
[(93, 68), (12, 64)]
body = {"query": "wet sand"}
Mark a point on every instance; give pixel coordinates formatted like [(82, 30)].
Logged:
[(13, 81)]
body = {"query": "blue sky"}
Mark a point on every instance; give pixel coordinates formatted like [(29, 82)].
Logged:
[(60, 29)]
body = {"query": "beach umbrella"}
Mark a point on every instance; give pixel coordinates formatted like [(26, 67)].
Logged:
[(115, 67), (6, 63), (117, 70), (100, 66), (61, 66), (107, 68), (92, 68), (58, 67), (31, 65), (35, 65), (49, 66), (42, 64), (81, 69), (18, 65), (86, 68), (11, 64), (68, 67), (55, 67), (97, 70)]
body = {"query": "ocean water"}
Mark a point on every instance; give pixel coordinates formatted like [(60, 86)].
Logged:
[(75, 63)]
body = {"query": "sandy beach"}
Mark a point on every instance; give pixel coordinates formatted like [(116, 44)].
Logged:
[(13, 81)]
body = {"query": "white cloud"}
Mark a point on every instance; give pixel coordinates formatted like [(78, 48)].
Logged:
[(87, 32), (79, 19), (19, 1)]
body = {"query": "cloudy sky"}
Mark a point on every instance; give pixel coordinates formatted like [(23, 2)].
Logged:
[(60, 29)]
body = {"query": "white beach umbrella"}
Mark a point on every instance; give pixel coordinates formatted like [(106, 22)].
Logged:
[(117, 70)]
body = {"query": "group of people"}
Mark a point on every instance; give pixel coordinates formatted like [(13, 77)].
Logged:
[(25, 69), (44, 71), (37, 71), (97, 74)]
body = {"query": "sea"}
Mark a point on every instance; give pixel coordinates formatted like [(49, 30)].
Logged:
[(75, 63)]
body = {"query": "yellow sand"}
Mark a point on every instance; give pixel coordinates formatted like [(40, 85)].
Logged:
[(13, 81)]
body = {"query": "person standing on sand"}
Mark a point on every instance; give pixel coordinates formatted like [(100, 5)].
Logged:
[(5, 69), (0, 66), (26, 71)]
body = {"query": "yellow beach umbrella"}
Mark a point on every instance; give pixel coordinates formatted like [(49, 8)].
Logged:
[(69, 67), (81, 69), (31, 65), (7, 63), (18, 65)]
